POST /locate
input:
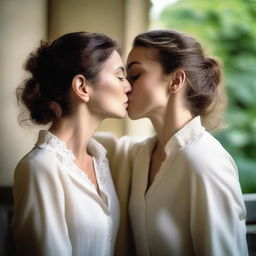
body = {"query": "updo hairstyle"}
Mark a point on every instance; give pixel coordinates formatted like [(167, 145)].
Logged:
[(176, 50), (52, 67)]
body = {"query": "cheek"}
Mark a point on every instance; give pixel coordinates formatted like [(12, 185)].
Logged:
[(111, 97), (144, 89), (109, 90), (147, 94), (140, 99), (108, 98)]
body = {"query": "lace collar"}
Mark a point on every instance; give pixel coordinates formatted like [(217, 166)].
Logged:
[(52, 143), (47, 140)]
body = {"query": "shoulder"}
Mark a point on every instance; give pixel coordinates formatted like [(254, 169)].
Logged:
[(206, 156), (37, 162), (122, 145), (212, 171), (110, 138), (144, 144)]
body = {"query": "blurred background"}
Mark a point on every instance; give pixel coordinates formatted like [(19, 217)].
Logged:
[(227, 29)]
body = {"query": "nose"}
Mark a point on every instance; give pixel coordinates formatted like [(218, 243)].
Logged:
[(127, 86)]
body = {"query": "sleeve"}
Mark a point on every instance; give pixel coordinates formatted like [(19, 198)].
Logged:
[(120, 153), (217, 209), (39, 225)]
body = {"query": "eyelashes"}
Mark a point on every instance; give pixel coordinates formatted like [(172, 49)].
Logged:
[(133, 78), (121, 78)]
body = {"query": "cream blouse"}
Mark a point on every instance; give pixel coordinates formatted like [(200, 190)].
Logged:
[(57, 209), (194, 205)]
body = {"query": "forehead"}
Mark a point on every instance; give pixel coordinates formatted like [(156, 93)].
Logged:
[(114, 61), (143, 55)]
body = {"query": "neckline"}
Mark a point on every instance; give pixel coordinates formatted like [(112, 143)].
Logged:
[(184, 135), (179, 140), (49, 141)]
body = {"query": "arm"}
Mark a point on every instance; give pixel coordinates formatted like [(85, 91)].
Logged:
[(218, 213), (120, 153), (39, 224)]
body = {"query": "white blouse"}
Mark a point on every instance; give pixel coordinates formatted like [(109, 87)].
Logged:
[(194, 205), (57, 209)]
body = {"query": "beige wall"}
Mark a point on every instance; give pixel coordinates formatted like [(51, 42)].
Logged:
[(120, 19), (94, 16), (23, 24), (136, 21)]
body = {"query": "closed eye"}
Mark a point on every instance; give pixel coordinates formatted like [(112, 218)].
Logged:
[(121, 78), (133, 78)]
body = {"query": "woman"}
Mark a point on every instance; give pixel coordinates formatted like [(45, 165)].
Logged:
[(64, 199), (185, 197)]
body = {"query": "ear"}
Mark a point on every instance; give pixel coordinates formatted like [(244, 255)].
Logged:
[(81, 87), (177, 81)]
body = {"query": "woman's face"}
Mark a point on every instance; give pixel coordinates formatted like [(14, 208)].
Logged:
[(110, 92), (149, 85)]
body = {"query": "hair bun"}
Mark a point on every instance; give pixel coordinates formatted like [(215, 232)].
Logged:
[(39, 60), (47, 111), (213, 69), (42, 111), (51, 68)]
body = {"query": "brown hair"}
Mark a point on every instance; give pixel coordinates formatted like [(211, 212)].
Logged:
[(52, 67), (177, 50)]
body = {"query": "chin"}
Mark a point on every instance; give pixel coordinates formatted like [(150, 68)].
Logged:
[(132, 116), (137, 113), (119, 115)]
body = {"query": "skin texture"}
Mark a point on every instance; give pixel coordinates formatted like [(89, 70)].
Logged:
[(91, 104), (145, 76), (157, 96), (108, 96)]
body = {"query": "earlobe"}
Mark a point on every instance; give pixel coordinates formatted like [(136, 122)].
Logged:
[(80, 87), (177, 81)]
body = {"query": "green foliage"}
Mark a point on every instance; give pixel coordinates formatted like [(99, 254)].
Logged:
[(227, 28)]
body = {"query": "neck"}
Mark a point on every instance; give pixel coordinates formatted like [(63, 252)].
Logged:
[(76, 131), (170, 119)]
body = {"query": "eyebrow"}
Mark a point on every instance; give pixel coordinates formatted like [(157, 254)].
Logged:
[(122, 69), (133, 63)]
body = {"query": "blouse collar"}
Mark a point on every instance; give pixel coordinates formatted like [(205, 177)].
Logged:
[(47, 140), (186, 134), (52, 143)]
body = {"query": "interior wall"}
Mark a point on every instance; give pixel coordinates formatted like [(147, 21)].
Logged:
[(22, 25), (120, 19), (102, 16), (136, 22)]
